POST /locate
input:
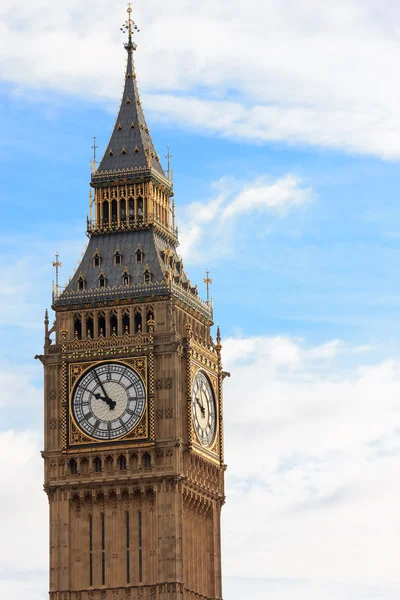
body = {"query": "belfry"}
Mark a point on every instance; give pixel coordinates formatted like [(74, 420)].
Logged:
[(134, 462)]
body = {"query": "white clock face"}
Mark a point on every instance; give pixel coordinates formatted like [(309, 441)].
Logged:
[(203, 409), (109, 401)]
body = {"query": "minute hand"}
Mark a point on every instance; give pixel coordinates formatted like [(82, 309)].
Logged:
[(101, 385)]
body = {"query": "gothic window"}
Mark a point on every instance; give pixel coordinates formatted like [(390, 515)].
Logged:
[(131, 208), (114, 324), (96, 259), (97, 464), (146, 460), (123, 210), (139, 256), (78, 327), (105, 213), (117, 258), (149, 316), (138, 322), (148, 276), (101, 324), (81, 283), (73, 466), (126, 323), (114, 215), (125, 279), (122, 463), (89, 327), (140, 208)]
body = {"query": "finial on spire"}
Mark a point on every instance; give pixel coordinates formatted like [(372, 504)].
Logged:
[(93, 161), (130, 26), (57, 265), (208, 282), (169, 156)]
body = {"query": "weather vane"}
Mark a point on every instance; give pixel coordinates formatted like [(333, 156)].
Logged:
[(208, 282), (130, 26)]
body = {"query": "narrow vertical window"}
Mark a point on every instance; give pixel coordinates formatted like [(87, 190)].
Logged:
[(103, 552), (140, 549), (90, 551), (128, 558)]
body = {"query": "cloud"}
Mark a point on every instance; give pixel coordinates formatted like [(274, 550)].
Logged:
[(313, 455), (217, 219), (302, 72)]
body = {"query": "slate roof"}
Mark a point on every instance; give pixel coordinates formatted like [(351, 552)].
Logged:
[(127, 243), (130, 144)]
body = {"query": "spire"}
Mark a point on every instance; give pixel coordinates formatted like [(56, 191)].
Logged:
[(130, 146)]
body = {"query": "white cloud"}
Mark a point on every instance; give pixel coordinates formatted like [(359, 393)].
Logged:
[(217, 219), (314, 455), (303, 72)]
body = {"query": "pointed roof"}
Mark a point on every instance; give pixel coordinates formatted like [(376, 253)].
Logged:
[(130, 146)]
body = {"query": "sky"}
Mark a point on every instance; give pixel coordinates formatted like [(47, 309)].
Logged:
[(283, 120)]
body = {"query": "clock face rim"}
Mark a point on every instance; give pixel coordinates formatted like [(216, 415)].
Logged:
[(211, 443), (78, 423)]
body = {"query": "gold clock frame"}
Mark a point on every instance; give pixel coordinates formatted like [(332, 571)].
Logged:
[(142, 430), (213, 451)]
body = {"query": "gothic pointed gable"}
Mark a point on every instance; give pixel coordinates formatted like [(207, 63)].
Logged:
[(130, 146)]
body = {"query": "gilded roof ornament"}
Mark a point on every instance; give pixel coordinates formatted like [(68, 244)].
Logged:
[(129, 27)]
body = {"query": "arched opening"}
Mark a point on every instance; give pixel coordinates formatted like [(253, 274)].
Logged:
[(122, 463), (114, 213), (102, 281), (105, 213), (140, 209), (81, 284), (89, 327), (78, 328), (114, 324), (123, 211), (102, 325), (97, 464), (126, 324), (138, 322), (146, 461), (131, 208), (147, 276), (149, 317), (73, 466), (125, 279)]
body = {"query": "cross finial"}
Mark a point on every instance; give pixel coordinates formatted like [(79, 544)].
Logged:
[(57, 264), (129, 26), (169, 156), (208, 282)]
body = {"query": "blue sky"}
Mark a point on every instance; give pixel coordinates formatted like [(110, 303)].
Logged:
[(283, 124)]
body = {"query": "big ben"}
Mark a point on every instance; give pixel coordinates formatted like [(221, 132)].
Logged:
[(134, 463)]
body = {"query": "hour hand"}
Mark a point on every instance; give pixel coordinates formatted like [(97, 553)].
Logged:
[(108, 401)]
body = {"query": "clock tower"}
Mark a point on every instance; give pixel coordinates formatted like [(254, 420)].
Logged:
[(134, 465)]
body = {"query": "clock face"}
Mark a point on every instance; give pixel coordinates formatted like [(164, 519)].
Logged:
[(203, 409), (108, 401)]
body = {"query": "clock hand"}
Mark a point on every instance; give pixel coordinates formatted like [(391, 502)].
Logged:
[(101, 385), (107, 400), (203, 412)]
